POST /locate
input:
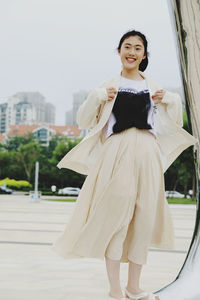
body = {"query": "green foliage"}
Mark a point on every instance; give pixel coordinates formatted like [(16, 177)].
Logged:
[(181, 174), (9, 165), (13, 143), (16, 184), (27, 155), (185, 121), (64, 177), (19, 154)]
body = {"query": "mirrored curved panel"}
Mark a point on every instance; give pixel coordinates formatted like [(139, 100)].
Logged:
[(185, 19)]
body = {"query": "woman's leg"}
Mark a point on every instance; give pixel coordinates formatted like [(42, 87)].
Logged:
[(113, 271), (134, 273)]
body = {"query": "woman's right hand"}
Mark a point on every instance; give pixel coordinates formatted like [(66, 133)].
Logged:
[(111, 93)]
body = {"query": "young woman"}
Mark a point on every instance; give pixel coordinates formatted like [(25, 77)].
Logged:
[(135, 135)]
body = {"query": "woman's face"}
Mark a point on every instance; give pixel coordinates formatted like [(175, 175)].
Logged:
[(132, 52)]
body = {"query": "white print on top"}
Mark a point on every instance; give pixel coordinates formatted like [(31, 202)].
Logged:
[(131, 86)]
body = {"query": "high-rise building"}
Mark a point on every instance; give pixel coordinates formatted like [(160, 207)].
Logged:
[(26, 108), (25, 113), (69, 117), (78, 99), (50, 113), (3, 110), (37, 100)]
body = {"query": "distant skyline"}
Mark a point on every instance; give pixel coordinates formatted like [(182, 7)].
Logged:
[(60, 47)]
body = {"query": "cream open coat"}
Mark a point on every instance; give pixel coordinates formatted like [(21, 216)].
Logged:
[(95, 111), (79, 238)]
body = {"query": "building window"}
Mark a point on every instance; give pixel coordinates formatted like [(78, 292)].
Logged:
[(41, 134)]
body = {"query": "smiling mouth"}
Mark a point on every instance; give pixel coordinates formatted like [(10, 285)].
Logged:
[(130, 59)]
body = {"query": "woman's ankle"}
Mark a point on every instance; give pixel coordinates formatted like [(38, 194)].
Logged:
[(134, 289), (116, 293)]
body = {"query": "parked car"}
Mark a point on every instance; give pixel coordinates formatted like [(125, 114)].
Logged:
[(175, 194), (72, 191), (4, 190)]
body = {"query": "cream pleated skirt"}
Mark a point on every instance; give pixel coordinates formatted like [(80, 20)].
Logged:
[(121, 210)]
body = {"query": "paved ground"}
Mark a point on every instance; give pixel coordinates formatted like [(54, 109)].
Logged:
[(30, 270)]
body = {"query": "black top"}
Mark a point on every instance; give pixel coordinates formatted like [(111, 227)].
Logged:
[(131, 110)]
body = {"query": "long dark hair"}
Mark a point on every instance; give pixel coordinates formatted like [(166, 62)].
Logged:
[(144, 63)]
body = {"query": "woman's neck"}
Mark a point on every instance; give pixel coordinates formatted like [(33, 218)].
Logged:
[(133, 74)]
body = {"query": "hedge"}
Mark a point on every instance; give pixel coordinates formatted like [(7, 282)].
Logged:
[(16, 184)]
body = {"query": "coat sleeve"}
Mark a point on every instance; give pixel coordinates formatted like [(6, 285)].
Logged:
[(173, 107), (88, 112)]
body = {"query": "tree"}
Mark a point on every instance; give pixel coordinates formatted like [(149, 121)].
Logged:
[(65, 177), (14, 142), (181, 174), (28, 155)]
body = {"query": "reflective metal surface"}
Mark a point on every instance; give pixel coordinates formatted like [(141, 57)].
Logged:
[(185, 19)]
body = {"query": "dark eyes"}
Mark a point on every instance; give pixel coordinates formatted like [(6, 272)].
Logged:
[(129, 47)]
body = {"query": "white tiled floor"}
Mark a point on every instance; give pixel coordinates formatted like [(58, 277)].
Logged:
[(30, 270)]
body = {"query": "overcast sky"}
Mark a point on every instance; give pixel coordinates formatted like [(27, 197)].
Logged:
[(58, 47)]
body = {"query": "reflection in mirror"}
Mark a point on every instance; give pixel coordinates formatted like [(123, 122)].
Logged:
[(185, 19)]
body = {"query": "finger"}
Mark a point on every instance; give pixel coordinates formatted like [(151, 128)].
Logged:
[(156, 101), (161, 92), (158, 96)]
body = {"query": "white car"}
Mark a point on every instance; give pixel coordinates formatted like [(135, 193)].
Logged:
[(69, 191), (175, 194)]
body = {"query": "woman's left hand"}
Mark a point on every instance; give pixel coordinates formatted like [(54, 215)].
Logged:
[(158, 96)]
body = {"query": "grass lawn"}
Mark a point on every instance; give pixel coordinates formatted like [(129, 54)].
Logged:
[(181, 201), (66, 199), (170, 200)]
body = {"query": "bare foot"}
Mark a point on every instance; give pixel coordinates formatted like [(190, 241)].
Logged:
[(157, 298), (133, 291), (137, 291)]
